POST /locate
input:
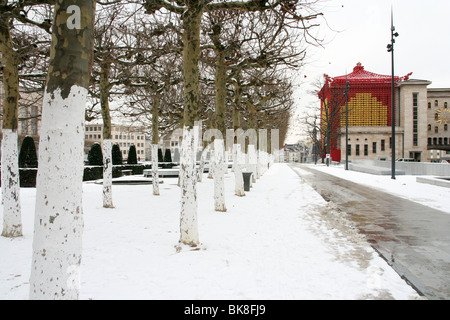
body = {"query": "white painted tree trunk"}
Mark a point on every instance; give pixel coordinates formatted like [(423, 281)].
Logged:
[(219, 179), (58, 225), (155, 176), (262, 162), (107, 174), (188, 216), (12, 218), (252, 161), (233, 156), (238, 178), (202, 165), (226, 161), (212, 165)]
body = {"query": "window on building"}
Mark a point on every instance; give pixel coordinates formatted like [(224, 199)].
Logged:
[(445, 141), (429, 105), (366, 149), (445, 127), (383, 145), (440, 141), (374, 147), (436, 103), (429, 127), (415, 99), (415, 122), (349, 150), (436, 129), (436, 116), (445, 105), (430, 142), (357, 150)]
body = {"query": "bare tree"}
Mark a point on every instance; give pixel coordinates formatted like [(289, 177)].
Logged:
[(58, 225), (191, 12), (17, 55), (12, 220)]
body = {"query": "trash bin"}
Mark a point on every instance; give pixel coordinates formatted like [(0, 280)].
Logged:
[(247, 176)]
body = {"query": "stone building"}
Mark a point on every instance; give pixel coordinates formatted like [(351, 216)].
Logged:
[(125, 136), (438, 121), (419, 119)]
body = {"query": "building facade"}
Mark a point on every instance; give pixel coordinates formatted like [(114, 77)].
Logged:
[(124, 136), (438, 122), (29, 114), (362, 100)]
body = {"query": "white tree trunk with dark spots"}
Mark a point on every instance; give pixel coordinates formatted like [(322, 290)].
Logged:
[(58, 224), (238, 178), (202, 165), (12, 219), (212, 165), (219, 172), (107, 174), (155, 176), (252, 161), (188, 216)]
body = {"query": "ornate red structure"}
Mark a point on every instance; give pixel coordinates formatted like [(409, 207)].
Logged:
[(369, 101)]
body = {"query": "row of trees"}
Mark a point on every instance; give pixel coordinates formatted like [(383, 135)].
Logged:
[(171, 63)]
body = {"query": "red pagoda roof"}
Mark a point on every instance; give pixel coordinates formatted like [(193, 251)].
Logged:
[(361, 75)]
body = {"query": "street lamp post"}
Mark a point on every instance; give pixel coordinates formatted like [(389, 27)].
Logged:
[(390, 48), (346, 122)]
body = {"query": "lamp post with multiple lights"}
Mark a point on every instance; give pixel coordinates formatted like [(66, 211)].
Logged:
[(347, 85), (390, 48)]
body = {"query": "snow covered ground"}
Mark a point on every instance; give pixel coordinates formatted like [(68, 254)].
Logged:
[(404, 186), (281, 241)]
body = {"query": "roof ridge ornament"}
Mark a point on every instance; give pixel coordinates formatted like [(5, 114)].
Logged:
[(359, 67)]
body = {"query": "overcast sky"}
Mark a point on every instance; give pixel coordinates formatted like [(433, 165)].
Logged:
[(359, 31)]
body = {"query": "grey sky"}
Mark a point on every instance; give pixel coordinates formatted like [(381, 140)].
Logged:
[(359, 31)]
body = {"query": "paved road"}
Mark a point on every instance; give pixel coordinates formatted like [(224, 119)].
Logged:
[(413, 238)]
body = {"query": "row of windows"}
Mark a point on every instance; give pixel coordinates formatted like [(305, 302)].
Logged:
[(436, 104), (438, 141), (128, 144), (94, 128), (117, 137), (436, 128), (366, 148), (93, 136), (125, 137), (137, 151)]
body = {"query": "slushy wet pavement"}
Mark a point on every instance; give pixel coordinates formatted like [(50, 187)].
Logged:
[(413, 238)]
